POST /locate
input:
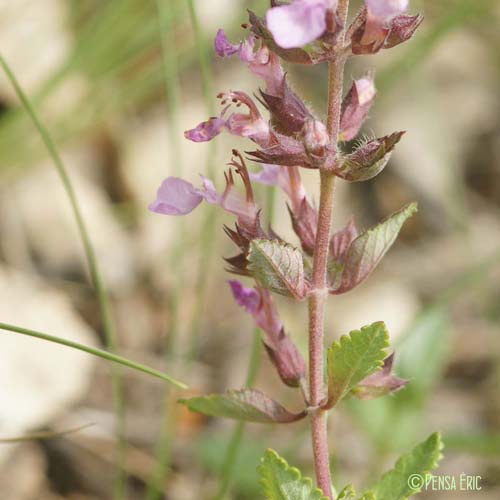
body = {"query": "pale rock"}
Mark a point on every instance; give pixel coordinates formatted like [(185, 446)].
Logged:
[(41, 206), (34, 41), (378, 300)]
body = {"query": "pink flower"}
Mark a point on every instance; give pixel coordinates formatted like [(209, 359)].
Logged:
[(281, 350), (258, 303), (248, 298), (287, 178), (250, 124), (179, 197), (205, 131), (298, 23), (261, 61), (223, 47)]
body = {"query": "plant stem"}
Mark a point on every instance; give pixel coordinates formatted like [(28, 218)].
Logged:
[(109, 356), (317, 302), (317, 299), (101, 293)]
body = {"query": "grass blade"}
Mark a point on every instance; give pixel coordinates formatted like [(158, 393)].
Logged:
[(109, 356)]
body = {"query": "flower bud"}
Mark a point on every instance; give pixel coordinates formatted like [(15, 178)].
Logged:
[(316, 138)]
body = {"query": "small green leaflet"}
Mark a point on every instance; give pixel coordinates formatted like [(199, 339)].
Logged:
[(278, 266), (397, 484), (354, 358), (249, 405), (282, 482)]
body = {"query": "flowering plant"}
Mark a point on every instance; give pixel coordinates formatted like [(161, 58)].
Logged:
[(292, 137)]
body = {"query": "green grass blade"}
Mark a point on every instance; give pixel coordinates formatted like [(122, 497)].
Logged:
[(109, 356), (102, 298)]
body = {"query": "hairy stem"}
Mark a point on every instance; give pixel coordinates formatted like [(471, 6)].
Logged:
[(317, 299)]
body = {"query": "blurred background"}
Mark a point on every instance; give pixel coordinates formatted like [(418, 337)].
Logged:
[(116, 82)]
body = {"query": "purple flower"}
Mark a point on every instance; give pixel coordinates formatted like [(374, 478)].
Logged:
[(250, 124), (248, 298), (298, 23), (287, 178), (176, 197), (179, 197), (258, 303), (281, 350), (223, 47), (261, 61), (206, 131)]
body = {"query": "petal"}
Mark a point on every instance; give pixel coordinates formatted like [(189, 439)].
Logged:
[(247, 50), (269, 175), (365, 87), (297, 24), (223, 47), (248, 298), (176, 197), (209, 193), (386, 9), (205, 131)]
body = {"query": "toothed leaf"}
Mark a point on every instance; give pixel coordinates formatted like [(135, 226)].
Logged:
[(282, 482), (277, 266), (249, 405), (397, 484), (354, 358)]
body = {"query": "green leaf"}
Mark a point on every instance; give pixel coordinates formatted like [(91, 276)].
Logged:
[(278, 267), (397, 483), (367, 250), (348, 493), (282, 482), (249, 405), (354, 358)]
